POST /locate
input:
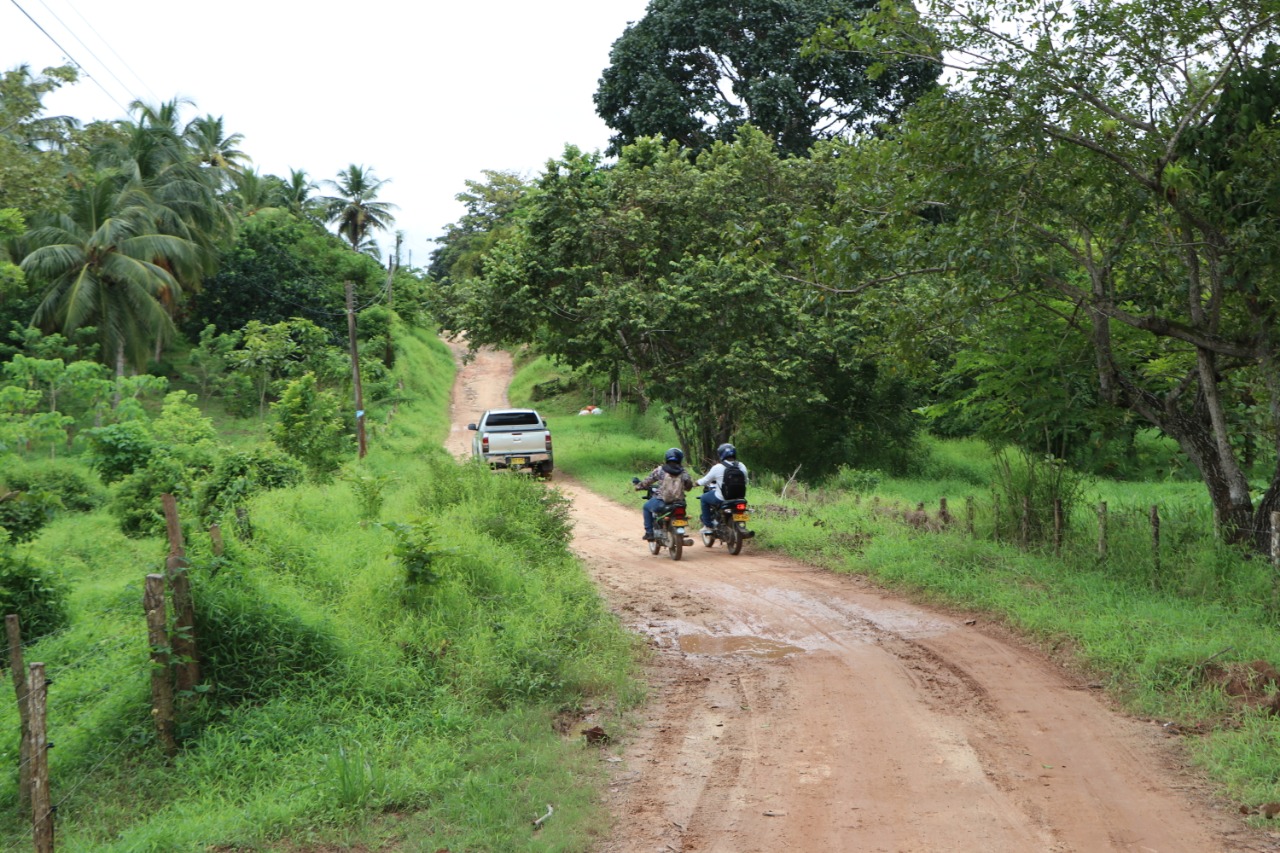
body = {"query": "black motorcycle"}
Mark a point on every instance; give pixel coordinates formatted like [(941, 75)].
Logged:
[(729, 525), (670, 525)]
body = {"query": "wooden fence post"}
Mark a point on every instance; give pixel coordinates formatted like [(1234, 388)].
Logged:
[(1155, 542), (969, 513), (1102, 530), (215, 538), (18, 669), (161, 686), (244, 527), (41, 801), (995, 508), (1024, 525), (1058, 522), (943, 515), (184, 608)]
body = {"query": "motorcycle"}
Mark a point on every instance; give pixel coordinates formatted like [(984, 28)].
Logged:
[(729, 525), (670, 525)]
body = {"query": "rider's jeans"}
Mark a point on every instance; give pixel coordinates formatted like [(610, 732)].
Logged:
[(710, 504), (650, 507)]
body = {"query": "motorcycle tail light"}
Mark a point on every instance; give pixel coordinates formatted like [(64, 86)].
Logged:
[(740, 507), (679, 512)]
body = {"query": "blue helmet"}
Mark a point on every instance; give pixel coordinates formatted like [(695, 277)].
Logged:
[(727, 451), (675, 456)]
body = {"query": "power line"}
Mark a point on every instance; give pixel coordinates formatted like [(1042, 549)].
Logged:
[(104, 65), (123, 62), (68, 55)]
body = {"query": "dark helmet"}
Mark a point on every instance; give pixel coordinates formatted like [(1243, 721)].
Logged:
[(675, 456), (727, 451)]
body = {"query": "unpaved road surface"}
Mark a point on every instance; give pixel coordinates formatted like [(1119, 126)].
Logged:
[(798, 711)]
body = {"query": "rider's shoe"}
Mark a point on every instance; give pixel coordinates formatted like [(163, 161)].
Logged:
[(648, 536), (707, 531)]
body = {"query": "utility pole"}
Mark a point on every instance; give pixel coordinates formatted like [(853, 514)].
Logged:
[(392, 265), (355, 368)]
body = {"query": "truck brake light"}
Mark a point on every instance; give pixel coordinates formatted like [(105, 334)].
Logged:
[(484, 444), (548, 436)]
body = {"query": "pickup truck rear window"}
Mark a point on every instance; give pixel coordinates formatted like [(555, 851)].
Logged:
[(502, 419)]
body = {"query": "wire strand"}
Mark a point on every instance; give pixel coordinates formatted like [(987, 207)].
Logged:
[(68, 55)]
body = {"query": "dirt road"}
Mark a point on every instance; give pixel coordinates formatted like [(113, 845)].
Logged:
[(798, 711)]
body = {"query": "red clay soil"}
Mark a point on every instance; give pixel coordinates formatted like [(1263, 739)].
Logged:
[(794, 710)]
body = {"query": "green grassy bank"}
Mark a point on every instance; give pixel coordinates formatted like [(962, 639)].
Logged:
[(399, 659)]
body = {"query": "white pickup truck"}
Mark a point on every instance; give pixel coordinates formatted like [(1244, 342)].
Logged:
[(517, 439)]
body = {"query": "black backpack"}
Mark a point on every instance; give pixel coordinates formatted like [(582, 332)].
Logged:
[(733, 483)]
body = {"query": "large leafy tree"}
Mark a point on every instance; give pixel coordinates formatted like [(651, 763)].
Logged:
[(696, 70), (355, 209), (1114, 165), (674, 275), (490, 205), (278, 268), (31, 163)]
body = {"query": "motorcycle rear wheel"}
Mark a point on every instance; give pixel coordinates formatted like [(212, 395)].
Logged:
[(732, 538), (675, 545)]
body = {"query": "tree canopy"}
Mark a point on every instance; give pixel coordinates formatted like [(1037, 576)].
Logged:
[(697, 70)]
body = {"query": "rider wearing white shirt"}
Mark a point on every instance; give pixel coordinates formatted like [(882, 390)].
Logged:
[(714, 478)]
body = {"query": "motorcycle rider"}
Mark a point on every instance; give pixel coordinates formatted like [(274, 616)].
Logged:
[(670, 469), (714, 479)]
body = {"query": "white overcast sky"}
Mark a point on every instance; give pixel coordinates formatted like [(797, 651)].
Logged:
[(426, 94)]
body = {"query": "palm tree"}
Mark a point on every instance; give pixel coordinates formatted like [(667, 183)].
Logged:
[(107, 263), (355, 208), (213, 146), (298, 195)]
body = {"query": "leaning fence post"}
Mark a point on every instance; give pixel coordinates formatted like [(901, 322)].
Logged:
[(184, 610), (161, 686), (969, 513), (17, 669), (995, 508), (41, 801), (1102, 530)]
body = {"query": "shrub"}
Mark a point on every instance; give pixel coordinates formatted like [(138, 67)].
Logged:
[(78, 491), (1036, 482), (416, 552), (370, 492), (117, 450), (856, 479), (28, 589), (23, 514), (309, 427), (238, 476), (137, 502)]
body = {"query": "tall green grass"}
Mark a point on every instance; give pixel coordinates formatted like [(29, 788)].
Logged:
[(1153, 627), (347, 702)]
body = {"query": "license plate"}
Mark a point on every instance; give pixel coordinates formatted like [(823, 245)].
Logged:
[(517, 460), (742, 516), (680, 528)]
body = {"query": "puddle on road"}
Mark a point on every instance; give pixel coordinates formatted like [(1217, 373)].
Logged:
[(704, 644)]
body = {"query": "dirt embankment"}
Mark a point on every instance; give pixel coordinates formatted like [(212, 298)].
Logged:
[(801, 711)]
